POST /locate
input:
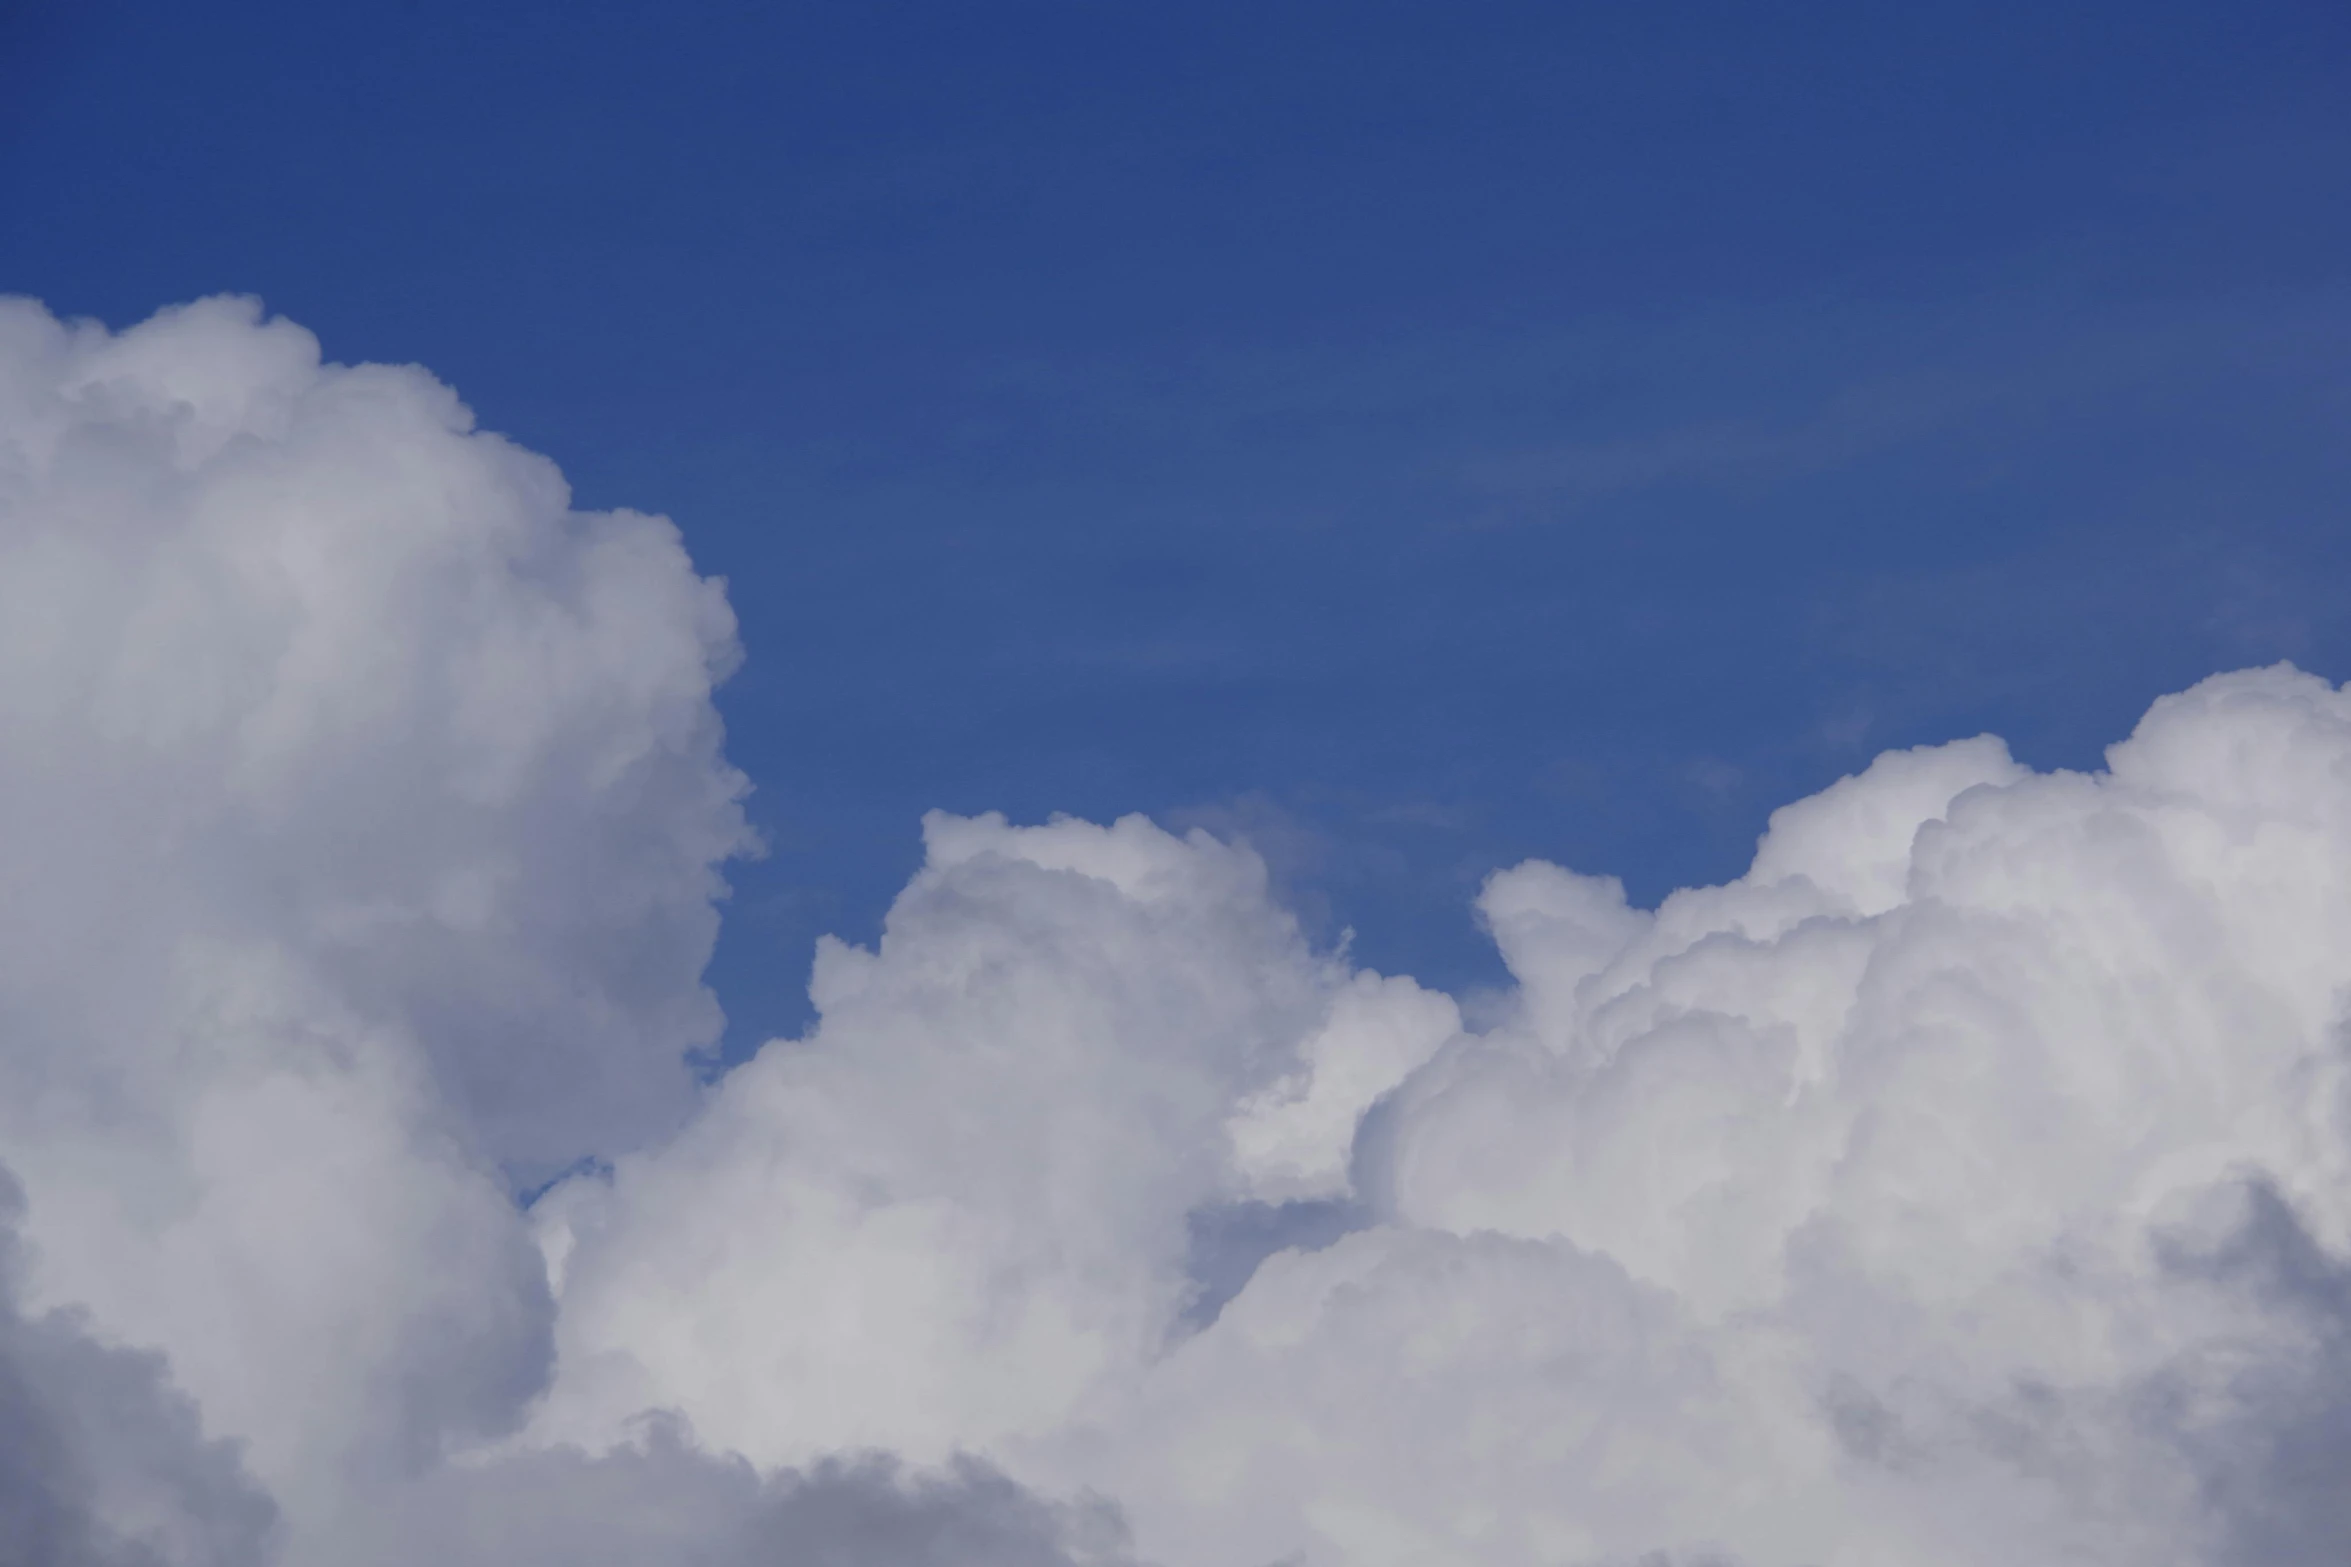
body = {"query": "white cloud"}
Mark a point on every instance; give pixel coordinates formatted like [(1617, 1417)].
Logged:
[(1969, 1183), (957, 1212), (360, 811), (298, 655), (1293, 1141), (1834, 1215)]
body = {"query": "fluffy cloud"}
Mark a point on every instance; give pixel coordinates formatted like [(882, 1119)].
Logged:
[(362, 807), (300, 661), (1965, 1184), (360, 810), (960, 1212), (1968, 1183)]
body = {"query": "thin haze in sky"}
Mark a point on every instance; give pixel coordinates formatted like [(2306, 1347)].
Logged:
[(1211, 785)]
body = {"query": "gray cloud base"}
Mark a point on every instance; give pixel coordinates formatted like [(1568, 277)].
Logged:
[(102, 1462)]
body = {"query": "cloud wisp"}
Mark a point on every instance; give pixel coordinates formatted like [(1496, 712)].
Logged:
[(1969, 1182)]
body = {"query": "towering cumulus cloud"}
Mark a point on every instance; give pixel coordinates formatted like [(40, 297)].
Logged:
[(1969, 1183)]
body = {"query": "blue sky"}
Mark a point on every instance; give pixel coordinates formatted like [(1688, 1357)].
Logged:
[(1416, 437)]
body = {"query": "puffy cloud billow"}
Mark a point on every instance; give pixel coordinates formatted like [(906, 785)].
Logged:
[(1969, 1183)]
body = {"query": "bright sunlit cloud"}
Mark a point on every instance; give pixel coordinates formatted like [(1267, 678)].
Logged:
[(1969, 1183)]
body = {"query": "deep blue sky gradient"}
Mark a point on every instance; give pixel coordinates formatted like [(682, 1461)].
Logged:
[(1415, 436)]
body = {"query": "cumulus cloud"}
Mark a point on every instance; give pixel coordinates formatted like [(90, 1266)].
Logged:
[(1964, 1184), (361, 806), (1969, 1182), (969, 1190), (303, 661)]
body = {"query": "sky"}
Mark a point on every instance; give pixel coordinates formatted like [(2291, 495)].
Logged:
[(1063, 785), (1419, 438)]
